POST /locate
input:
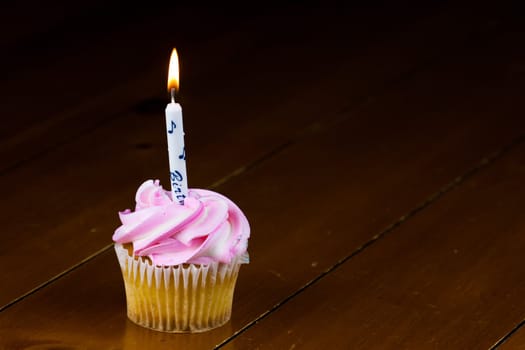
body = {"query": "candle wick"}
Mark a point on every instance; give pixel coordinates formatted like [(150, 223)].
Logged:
[(172, 95)]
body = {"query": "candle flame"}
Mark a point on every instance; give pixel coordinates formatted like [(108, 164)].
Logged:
[(173, 72)]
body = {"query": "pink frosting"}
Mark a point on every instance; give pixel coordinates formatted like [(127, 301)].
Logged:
[(207, 228)]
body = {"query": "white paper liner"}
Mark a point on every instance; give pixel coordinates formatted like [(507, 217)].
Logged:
[(180, 298)]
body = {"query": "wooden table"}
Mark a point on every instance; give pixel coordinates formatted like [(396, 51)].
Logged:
[(377, 149)]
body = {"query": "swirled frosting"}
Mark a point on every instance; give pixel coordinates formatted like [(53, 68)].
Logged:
[(207, 228)]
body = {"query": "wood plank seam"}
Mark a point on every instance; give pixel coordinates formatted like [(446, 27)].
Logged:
[(55, 278), (482, 164), (342, 116), (507, 336), (45, 150)]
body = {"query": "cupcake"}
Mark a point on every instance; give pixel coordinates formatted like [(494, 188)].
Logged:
[(180, 262)]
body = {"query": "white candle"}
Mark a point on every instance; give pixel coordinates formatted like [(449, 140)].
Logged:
[(175, 134)]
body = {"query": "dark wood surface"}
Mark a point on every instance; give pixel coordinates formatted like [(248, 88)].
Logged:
[(377, 150), (516, 340)]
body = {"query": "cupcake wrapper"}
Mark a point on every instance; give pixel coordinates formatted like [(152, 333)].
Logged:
[(180, 298)]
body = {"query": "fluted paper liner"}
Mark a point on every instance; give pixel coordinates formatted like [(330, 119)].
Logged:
[(180, 298)]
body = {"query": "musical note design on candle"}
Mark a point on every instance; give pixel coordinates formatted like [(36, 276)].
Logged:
[(183, 155), (172, 127)]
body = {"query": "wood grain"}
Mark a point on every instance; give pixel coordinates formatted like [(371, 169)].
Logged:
[(92, 163), (109, 75), (449, 278), (378, 162)]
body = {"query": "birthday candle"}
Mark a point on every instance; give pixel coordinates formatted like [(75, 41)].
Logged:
[(175, 134)]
